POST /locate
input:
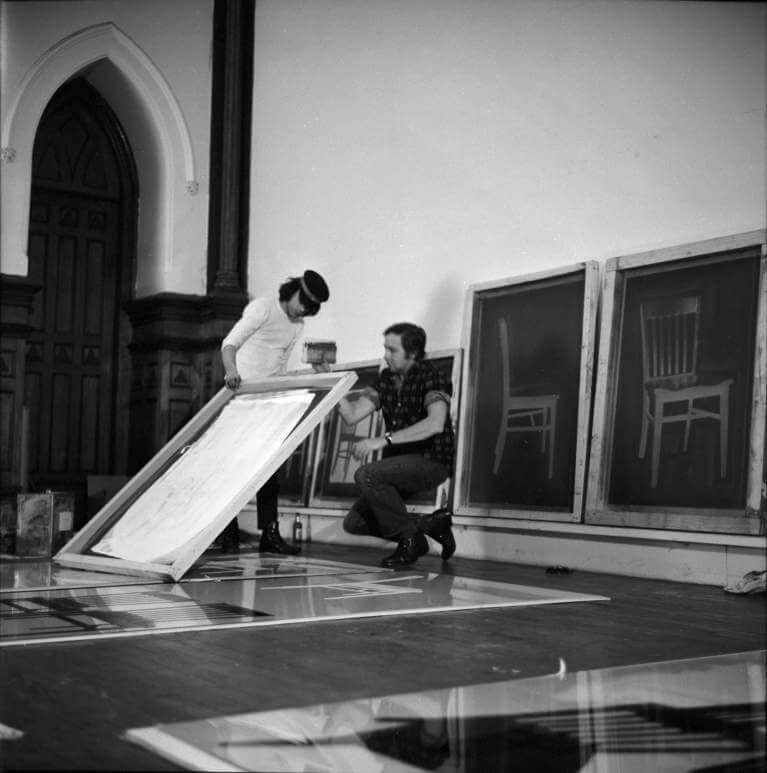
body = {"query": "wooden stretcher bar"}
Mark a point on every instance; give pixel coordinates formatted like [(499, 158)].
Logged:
[(75, 553)]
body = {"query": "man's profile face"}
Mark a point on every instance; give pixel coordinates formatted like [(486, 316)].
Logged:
[(394, 355)]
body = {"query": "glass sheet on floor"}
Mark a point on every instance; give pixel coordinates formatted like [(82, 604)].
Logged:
[(72, 614), (704, 714), (44, 575)]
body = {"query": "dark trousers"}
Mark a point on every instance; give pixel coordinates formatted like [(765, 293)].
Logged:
[(384, 487), (266, 501), (266, 505)]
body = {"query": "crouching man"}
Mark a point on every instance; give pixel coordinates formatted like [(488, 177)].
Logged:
[(418, 449)]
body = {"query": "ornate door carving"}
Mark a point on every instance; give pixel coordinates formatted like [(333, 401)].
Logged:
[(76, 244)]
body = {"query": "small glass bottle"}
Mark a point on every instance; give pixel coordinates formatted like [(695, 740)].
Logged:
[(298, 531)]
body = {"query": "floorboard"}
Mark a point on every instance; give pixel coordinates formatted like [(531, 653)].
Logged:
[(74, 701)]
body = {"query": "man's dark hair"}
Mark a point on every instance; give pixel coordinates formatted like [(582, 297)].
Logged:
[(413, 338), (292, 286)]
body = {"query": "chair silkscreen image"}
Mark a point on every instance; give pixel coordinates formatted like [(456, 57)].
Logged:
[(670, 339), (347, 435), (523, 410)]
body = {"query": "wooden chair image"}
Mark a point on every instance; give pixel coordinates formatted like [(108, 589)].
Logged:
[(346, 435), (670, 329), (345, 439), (524, 409)]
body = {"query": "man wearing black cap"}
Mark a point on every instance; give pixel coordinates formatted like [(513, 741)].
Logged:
[(259, 346)]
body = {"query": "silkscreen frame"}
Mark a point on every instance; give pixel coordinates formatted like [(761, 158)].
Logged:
[(474, 333), (748, 520), (452, 361), (75, 553)]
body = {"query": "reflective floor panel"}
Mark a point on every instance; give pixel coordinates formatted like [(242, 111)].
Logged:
[(704, 714), (73, 614), (43, 574)]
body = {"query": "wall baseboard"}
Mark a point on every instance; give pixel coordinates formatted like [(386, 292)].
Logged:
[(641, 553)]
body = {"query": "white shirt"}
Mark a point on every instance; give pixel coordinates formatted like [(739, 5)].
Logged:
[(264, 337)]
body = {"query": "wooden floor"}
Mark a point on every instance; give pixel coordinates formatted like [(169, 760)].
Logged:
[(73, 701)]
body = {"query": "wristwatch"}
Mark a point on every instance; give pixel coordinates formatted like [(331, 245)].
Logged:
[(388, 439)]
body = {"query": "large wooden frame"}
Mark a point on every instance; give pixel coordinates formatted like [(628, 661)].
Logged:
[(318, 500), (619, 272), (74, 553), (477, 331)]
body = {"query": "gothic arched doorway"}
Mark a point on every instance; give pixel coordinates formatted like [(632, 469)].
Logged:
[(81, 244)]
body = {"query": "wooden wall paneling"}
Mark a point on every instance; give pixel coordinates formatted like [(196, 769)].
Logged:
[(8, 428), (11, 366), (176, 363), (16, 310), (143, 399), (89, 441)]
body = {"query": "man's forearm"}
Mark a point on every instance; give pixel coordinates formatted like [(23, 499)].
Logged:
[(229, 358), (352, 412), (433, 424)]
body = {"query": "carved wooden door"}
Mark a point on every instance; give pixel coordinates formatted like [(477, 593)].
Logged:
[(75, 249)]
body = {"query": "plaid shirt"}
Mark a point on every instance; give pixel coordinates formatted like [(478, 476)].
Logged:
[(402, 407)]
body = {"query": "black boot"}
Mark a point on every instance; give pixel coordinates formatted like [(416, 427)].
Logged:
[(437, 526), (230, 537), (408, 551), (272, 542)]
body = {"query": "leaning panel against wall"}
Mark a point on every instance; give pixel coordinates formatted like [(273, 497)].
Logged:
[(679, 410), (529, 345)]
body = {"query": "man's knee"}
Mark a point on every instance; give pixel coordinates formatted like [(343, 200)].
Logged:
[(354, 523), (363, 475)]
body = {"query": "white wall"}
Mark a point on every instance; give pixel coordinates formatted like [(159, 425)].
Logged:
[(409, 148)]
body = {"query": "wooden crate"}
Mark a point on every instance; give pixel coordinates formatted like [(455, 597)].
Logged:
[(317, 352)]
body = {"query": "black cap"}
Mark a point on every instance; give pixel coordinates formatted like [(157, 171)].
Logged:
[(314, 287)]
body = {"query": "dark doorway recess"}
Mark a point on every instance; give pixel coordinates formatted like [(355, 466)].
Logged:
[(81, 250)]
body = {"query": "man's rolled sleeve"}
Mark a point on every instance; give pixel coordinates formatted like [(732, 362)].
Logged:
[(434, 396), (438, 387)]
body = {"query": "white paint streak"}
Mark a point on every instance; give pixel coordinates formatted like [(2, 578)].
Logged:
[(187, 497)]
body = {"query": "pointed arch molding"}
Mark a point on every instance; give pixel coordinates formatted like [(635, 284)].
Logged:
[(70, 55)]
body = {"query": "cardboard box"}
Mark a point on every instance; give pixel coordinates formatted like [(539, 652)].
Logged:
[(44, 522), (316, 352)]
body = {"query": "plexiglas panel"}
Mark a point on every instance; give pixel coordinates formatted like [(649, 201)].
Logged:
[(186, 498), (287, 596), (162, 521), (684, 715)]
